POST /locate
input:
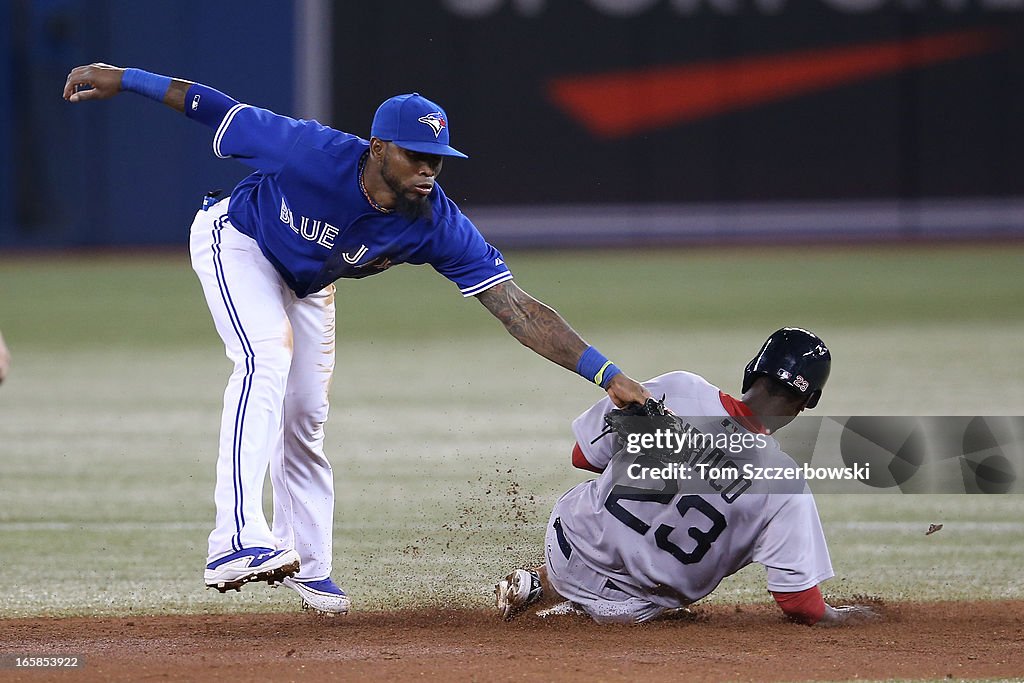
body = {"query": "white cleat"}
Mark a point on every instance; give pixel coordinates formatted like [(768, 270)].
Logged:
[(322, 596), (516, 592), (244, 566)]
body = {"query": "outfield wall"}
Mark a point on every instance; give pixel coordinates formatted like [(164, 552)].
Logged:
[(621, 122), (611, 122), (128, 171), (703, 101), (652, 224)]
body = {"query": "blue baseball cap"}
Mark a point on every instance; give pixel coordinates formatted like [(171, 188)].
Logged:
[(415, 123)]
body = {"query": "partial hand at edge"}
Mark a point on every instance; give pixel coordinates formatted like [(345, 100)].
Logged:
[(623, 390)]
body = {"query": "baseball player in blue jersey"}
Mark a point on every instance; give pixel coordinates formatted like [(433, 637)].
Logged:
[(633, 545), (320, 205)]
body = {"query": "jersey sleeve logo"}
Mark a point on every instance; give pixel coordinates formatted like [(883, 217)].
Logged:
[(436, 122)]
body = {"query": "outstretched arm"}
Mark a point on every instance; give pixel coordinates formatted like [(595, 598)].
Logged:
[(101, 81), (195, 100), (543, 330), (259, 138)]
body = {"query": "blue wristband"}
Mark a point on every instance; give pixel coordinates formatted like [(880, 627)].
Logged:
[(594, 367), (153, 86)]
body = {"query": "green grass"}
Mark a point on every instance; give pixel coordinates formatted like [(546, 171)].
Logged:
[(74, 303), (450, 441)]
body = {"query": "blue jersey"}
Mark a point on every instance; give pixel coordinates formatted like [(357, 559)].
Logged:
[(305, 209)]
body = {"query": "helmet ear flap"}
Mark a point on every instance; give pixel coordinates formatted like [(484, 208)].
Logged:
[(812, 400)]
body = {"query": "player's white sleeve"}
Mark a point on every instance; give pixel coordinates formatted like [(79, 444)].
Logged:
[(588, 426), (792, 545)]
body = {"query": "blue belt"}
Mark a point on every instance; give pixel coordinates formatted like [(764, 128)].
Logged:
[(563, 544)]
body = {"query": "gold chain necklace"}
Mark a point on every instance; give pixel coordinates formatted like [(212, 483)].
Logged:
[(362, 165)]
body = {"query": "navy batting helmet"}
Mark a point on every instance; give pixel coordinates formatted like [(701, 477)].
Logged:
[(794, 357)]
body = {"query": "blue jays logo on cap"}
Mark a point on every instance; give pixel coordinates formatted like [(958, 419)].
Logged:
[(415, 123), (435, 120)]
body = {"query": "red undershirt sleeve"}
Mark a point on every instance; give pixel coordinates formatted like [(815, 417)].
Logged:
[(805, 607), (579, 460)]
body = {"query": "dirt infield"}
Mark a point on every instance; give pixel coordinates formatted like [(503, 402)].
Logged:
[(751, 643)]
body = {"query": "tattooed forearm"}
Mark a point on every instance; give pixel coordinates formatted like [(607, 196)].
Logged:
[(535, 325)]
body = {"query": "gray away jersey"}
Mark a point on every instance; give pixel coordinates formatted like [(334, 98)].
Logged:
[(673, 541)]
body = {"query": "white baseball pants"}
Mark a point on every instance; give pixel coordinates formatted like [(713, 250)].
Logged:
[(276, 401), (591, 591)]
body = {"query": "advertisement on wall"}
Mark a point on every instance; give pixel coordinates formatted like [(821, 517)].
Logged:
[(706, 102)]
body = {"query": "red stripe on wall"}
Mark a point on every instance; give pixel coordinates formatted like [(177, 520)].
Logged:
[(629, 102)]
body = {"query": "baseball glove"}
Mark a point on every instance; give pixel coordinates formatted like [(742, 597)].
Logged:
[(636, 418)]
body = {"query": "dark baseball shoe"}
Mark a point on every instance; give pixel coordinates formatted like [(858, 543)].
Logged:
[(516, 592), (233, 571), (320, 596)]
